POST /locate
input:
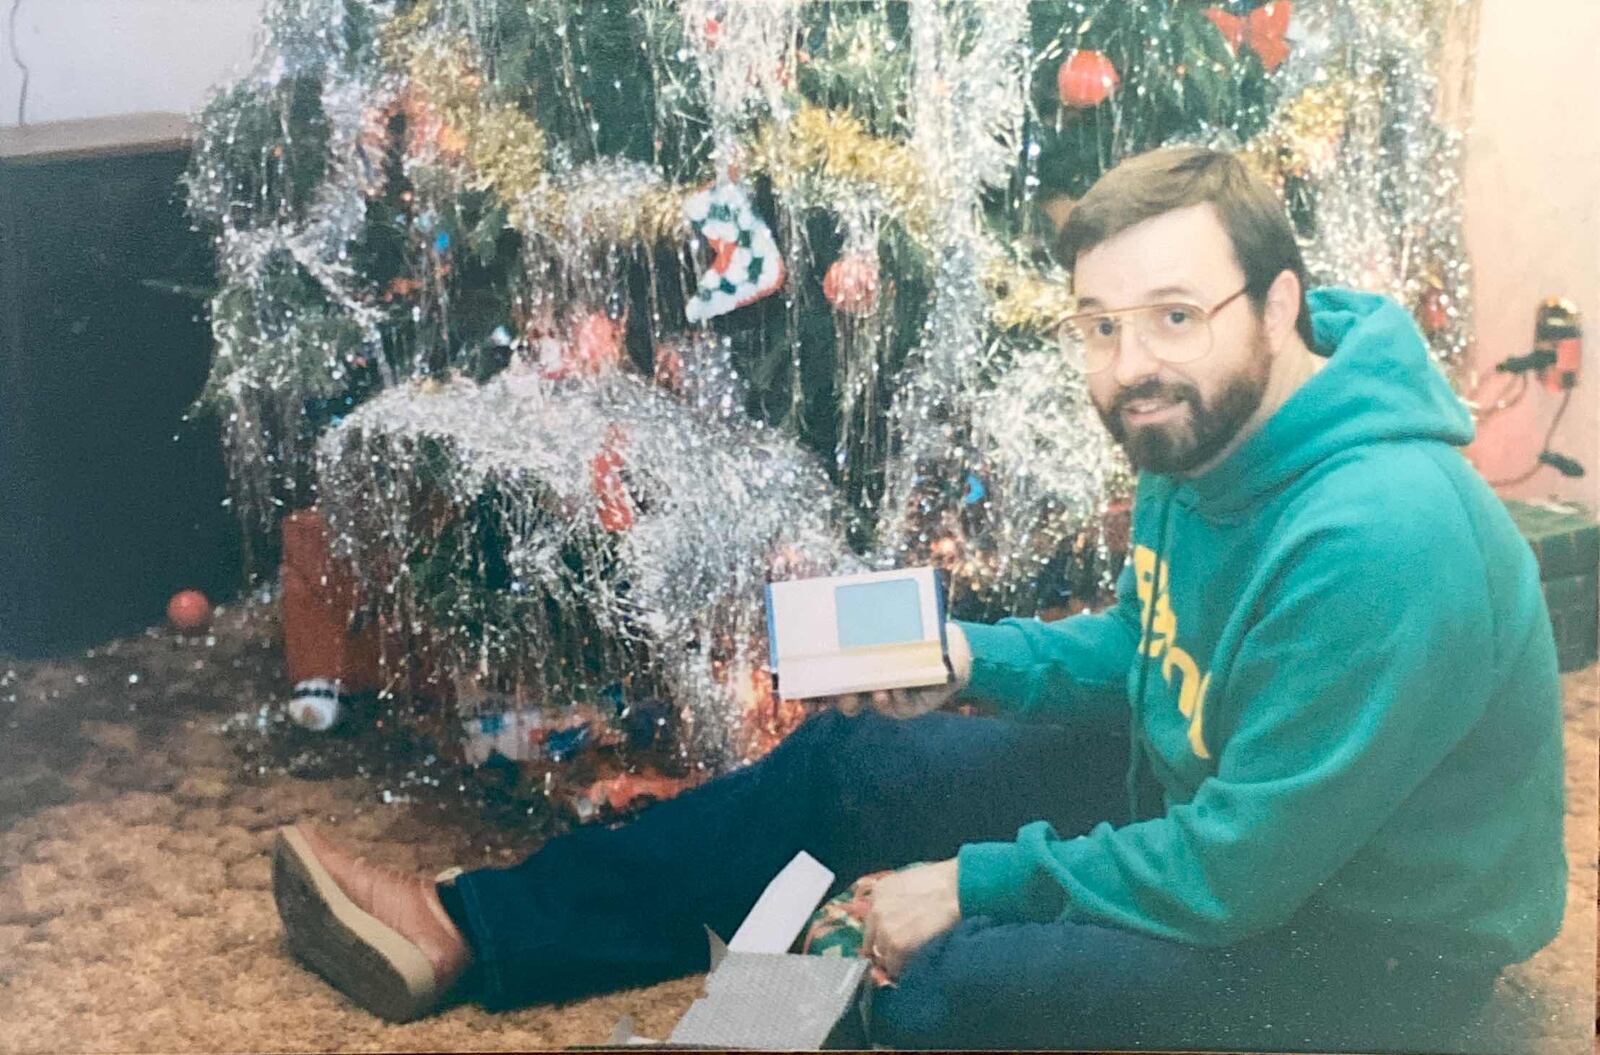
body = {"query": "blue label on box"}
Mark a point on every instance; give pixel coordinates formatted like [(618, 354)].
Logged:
[(879, 613)]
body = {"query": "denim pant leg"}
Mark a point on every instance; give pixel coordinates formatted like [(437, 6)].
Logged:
[(601, 908), (1085, 987)]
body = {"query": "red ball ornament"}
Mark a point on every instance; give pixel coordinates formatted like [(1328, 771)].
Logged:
[(189, 610), (1087, 78), (1434, 311), (851, 284), (593, 346), (597, 343)]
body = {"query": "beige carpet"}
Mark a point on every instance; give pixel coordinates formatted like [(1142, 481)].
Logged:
[(135, 910)]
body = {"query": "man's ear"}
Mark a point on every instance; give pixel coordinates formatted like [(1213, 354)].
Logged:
[(1282, 310)]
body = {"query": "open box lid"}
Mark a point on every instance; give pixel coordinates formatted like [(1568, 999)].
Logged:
[(758, 995)]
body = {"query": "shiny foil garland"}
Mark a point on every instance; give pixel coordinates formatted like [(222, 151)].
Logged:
[(531, 474), (1048, 466), (292, 316), (1366, 148), (957, 493), (823, 157)]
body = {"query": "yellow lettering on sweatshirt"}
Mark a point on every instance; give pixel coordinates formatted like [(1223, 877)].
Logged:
[(1159, 640)]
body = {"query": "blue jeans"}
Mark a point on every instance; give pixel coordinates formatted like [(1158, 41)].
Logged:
[(602, 908)]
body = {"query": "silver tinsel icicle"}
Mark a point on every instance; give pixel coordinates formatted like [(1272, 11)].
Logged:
[(670, 590), (999, 466), (1387, 198)]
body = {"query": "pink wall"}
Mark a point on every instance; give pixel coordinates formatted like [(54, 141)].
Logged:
[(1533, 225)]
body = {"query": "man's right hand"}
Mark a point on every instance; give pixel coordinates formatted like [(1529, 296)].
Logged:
[(909, 703)]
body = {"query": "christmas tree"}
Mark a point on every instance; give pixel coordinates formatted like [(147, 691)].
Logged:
[(581, 319)]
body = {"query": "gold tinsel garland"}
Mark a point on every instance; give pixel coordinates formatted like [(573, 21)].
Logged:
[(1026, 298), (824, 146), (651, 215), (501, 148), (827, 146), (398, 32), (503, 151), (1303, 138), (818, 153)]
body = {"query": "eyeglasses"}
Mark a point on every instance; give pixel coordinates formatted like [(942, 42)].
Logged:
[(1173, 332)]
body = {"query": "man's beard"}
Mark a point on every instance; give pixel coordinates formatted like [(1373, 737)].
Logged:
[(1175, 448)]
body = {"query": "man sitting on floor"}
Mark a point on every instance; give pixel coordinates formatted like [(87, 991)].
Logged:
[(1300, 786)]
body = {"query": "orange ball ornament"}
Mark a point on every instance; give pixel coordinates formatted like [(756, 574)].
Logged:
[(189, 610), (1087, 78), (851, 284)]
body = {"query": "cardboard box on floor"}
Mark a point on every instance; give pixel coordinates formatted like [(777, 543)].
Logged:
[(760, 996)]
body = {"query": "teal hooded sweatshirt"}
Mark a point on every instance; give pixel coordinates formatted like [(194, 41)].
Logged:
[(1346, 690)]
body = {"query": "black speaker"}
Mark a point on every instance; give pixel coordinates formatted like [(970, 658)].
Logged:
[(109, 500)]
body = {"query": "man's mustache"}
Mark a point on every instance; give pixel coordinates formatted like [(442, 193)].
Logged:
[(1155, 390)]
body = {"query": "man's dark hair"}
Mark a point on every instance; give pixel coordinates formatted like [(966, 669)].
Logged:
[(1147, 185)]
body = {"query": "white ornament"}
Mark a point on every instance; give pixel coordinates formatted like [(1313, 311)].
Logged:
[(315, 705), (746, 266)]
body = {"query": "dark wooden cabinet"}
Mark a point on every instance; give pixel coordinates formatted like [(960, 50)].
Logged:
[(109, 500)]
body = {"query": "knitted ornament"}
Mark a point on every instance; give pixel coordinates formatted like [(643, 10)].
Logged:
[(746, 265)]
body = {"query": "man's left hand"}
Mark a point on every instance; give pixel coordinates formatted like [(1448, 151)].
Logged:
[(910, 909)]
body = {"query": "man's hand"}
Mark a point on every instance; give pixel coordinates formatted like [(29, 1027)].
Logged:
[(910, 909), (897, 703), (908, 703)]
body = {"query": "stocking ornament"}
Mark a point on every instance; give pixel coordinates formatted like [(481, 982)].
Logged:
[(746, 264)]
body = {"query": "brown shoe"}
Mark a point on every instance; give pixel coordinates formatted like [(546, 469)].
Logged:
[(380, 936)]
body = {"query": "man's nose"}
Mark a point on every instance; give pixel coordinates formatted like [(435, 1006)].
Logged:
[(1133, 362)]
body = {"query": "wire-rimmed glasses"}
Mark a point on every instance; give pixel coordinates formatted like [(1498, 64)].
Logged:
[(1172, 331)]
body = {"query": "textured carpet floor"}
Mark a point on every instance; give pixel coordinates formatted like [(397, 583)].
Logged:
[(136, 914)]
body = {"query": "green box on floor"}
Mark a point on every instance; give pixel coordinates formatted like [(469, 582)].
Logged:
[(1566, 540)]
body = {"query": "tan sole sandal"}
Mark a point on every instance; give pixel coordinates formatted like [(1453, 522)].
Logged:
[(363, 958)]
